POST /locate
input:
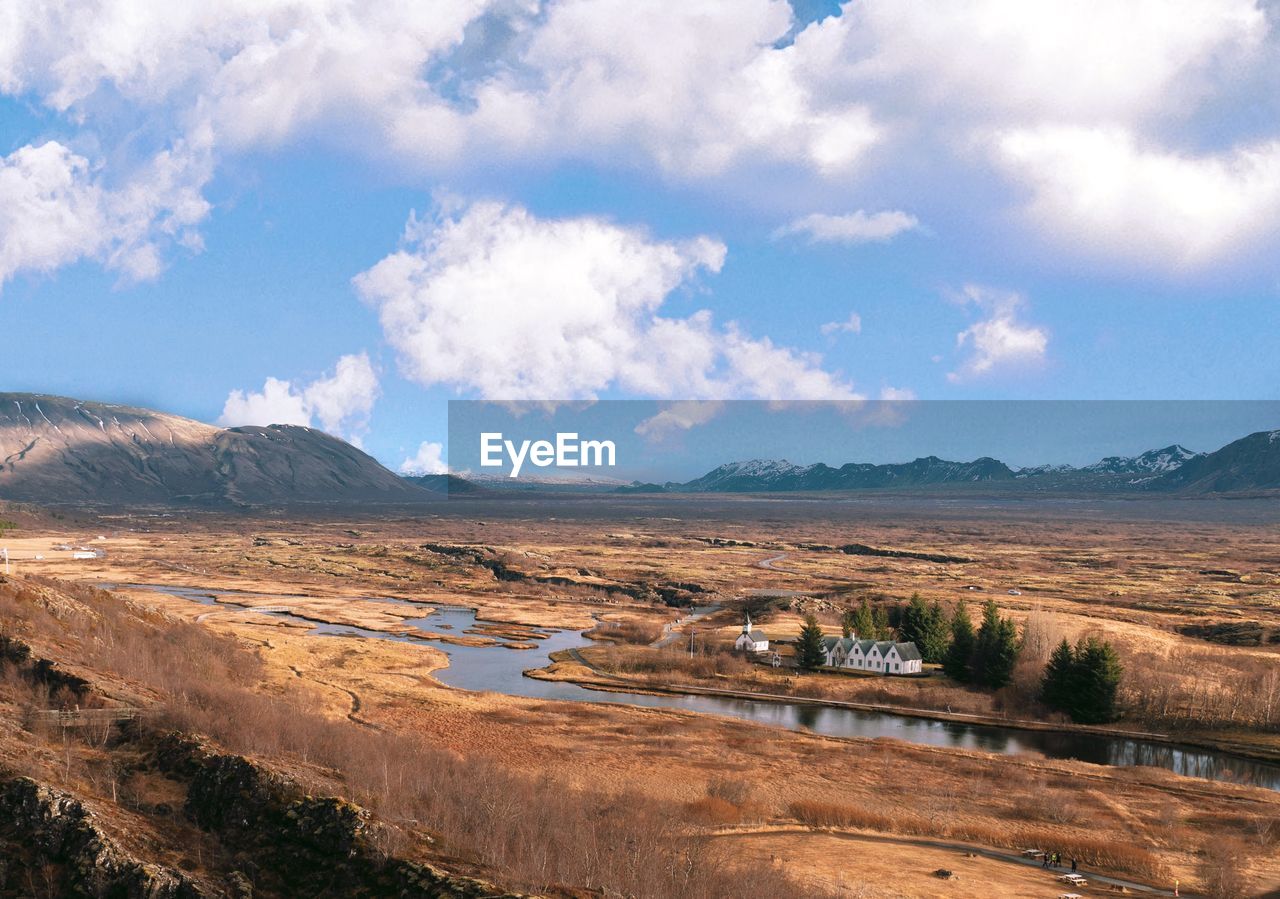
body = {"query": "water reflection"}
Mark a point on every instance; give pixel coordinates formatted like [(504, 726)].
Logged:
[(497, 669)]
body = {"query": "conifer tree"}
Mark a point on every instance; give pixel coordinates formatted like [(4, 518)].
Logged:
[(1097, 683), (937, 634), (1056, 685), (915, 619), (1002, 655), (984, 645), (1084, 682), (959, 653), (864, 621), (880, 624), (809, 648)]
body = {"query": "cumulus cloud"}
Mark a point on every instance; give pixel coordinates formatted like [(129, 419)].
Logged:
[(492, 299), (1000, 338), (851, 325), (340, 403), (1101, 191), (1078, 60), (56, 208), (678, 416), (855, 227), (712, 91), (427, 460)]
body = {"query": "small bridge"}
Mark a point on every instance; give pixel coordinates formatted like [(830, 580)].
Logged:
[(89, 717)]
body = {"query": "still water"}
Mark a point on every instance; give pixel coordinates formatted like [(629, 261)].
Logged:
[(501, 670)]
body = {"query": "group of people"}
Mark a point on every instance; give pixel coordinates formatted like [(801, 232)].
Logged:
[(1054, 860)]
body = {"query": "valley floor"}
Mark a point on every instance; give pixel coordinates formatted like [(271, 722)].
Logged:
[(848, 817)]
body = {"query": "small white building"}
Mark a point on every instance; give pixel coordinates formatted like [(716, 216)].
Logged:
[(878, 656), (751, 640)]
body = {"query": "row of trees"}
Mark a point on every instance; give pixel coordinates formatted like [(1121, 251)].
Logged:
[(927, 626), (867, 623), (986, 657), (1083, 681)]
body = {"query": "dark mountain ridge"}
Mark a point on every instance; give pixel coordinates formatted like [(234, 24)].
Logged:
[(1249, 464), (55, 450)]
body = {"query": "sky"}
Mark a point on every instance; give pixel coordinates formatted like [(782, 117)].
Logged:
[(345, 215), (656, 442)]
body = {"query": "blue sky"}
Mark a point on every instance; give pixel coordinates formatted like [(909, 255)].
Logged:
[(1020, 433), (203, 201)]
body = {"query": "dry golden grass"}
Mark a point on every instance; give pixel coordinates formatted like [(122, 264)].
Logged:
[(1138, 579)]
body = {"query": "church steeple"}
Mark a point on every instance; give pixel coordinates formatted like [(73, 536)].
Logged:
[(746, 625)]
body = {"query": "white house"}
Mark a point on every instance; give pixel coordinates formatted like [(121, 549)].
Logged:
[(879, 656), (751, 640)]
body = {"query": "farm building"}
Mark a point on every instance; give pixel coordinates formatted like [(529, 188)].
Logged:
[(880, 656), (751, 640)]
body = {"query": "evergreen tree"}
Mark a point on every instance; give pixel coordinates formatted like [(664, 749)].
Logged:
[(880, 624), (936, 636), (995, 650), (809, 648), (846, 623), (915, 619), (1084, 682), (985, 643), (864, 621), (1002, 655), (1056, 687), (959, 653), (1097, 683)]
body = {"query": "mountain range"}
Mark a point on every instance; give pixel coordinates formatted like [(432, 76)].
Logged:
[(1249, 464), (59, 450)]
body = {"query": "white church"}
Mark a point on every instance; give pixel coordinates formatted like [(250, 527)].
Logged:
[(878, 656), (751, 640)]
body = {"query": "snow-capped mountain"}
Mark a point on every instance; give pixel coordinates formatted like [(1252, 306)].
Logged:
[(1160, 461), (780, 475)]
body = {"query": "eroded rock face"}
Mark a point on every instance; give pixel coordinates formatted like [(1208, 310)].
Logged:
[(292, 843), (48, 838)]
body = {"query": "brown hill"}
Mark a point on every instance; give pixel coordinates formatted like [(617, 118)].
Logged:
[(54, 449)]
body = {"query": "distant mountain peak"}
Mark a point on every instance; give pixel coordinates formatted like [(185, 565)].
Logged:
[(57, 449), (1158, 461)]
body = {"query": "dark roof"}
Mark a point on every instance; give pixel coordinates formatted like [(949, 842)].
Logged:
[(909, 652)]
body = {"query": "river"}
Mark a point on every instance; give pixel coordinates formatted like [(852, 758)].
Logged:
[(501, 670)]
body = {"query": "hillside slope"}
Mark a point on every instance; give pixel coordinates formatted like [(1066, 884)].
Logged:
[(55, 449), (1250, 463)]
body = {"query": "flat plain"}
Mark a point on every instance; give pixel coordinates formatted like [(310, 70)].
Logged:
[(1188, 591)]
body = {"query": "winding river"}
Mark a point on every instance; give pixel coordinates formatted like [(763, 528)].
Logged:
[(501, 670)]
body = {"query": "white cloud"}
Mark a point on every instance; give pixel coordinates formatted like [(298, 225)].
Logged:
[(1098, 190), (855, 227), (56, 209), (341, 403), (427, 460), (1079, 60), (278, 403), (916, 98), (851, 325), (897, 394), (494, 300), (1000, 339), (678, 416)]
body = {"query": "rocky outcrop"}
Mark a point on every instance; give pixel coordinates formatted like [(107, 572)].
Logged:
[(49, 838), (292, 843), (42, 671)]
